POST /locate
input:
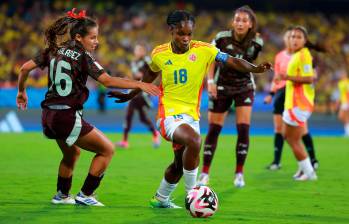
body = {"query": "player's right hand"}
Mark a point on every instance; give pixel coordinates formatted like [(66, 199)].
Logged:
[(149, 88), (212, 90), (120, 96), (268, 99), (22, 100)]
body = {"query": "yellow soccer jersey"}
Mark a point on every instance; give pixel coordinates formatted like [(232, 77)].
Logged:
[(182, 77), (300, 95), (343, 86)]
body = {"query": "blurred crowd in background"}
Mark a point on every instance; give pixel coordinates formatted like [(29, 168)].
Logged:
[(121, 27)]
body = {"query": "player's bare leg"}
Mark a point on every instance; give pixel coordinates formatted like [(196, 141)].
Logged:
[(186, 162), (65, 173), (293, 136), (95, 141)]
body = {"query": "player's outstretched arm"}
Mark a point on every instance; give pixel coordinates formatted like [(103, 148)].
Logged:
[(241, 65), (148, 77), (114, 82), (22, 99)]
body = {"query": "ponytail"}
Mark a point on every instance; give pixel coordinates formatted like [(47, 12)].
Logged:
[(75, 23)]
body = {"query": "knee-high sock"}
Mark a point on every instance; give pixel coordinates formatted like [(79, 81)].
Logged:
[(309, 145), (306, 166), (64, 184), (91, 184), (278, 145), (242, 146), (210, 146), (165, 189), (190, 178)]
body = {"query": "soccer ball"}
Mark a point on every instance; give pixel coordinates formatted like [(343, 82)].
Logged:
[(201, 202)]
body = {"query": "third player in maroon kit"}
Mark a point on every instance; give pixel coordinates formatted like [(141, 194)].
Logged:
[(226, 86), (141, 102)]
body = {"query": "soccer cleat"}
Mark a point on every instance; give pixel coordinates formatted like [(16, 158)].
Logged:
[(239, 180), (156, 140), (122, 144), (156, 203), (203, 179), (91, 200), (315, 164), (298, 174), (274, 166), (305, 177), (64, 199)]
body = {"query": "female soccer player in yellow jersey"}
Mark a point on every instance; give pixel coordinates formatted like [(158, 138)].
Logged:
[(343, 114), (278, 89), (299, 100), (183, 64)]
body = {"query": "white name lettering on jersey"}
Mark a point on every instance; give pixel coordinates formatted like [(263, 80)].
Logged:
[(69, 53)]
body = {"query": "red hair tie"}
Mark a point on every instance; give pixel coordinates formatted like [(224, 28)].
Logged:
[(80, 15)]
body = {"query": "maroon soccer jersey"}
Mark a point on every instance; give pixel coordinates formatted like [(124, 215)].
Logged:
[(233, 82), (141, 66), (68, 71)]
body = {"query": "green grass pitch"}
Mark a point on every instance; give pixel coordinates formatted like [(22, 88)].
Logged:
[(29, 162)]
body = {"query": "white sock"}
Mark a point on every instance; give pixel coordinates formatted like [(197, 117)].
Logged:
[(190, 178), (306, 167), (165, 189), (346, 129)]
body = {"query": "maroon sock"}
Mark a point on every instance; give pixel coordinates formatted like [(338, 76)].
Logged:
[(64, 184), (91, 183), (210, 145), (242, 146)]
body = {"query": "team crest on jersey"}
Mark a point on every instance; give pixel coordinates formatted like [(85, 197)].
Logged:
[(192, 57)]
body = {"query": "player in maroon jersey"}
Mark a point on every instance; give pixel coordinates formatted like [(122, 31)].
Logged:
[(226, 86), (69, 64), (141, 102)]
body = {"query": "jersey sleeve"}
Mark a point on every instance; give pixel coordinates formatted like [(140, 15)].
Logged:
[(211, 52), (93, 69), (153, 63), (41, 59), (306, 63), (277, 65), (258, 46)]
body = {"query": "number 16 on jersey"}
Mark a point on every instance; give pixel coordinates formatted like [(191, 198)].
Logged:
[(57, 77)]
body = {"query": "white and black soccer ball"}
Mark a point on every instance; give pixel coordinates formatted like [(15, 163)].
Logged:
[(201, 202)]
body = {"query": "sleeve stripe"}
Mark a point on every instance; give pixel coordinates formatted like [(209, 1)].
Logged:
[(98, 65)]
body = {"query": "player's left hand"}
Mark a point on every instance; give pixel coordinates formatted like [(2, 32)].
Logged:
[(120, 96), (263, 67)]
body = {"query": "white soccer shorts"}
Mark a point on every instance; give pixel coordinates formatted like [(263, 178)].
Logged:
[(167, 126), (295, 116)]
